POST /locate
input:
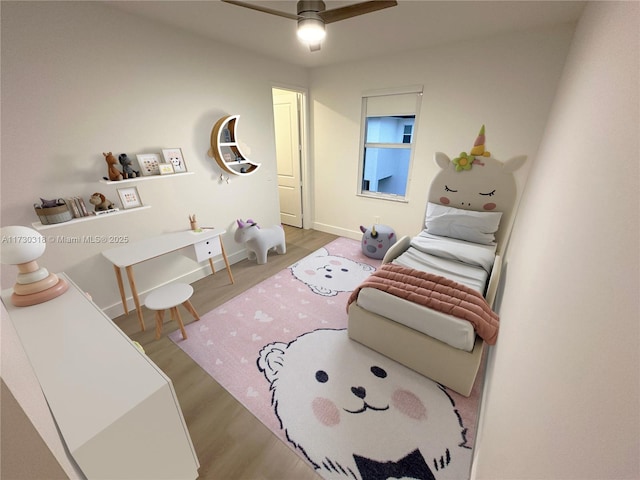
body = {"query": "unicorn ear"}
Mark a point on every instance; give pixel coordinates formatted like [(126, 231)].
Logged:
[(442, 160), (514, 163), (240, 223)]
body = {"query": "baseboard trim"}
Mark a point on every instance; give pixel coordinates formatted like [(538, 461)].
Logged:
[(342, 232)]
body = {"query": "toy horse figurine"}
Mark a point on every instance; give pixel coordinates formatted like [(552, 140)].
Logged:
[(258, 241), (114, 173)]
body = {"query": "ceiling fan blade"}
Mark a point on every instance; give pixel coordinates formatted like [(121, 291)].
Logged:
[(260, 8), (342, 13)]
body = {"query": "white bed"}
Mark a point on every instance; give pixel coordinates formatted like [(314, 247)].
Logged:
[(466, 263), (437, 345), (440, 346)]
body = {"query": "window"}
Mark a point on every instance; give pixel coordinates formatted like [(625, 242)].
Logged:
[(406, 136), (388, 124)]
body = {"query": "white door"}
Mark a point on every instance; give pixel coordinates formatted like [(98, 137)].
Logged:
[(287, 128)]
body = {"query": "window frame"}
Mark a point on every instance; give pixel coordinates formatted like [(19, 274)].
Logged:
[(360, 191)]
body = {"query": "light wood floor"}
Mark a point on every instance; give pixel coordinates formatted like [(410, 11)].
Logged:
[(230, 442)]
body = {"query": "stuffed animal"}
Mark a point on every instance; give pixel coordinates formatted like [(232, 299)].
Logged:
[(51, 203), (114, 173), (101, 203), (259, 241), (377, 240), (127, 170)]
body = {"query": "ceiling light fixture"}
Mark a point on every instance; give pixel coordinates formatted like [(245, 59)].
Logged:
[(312, 15), (311, 29)]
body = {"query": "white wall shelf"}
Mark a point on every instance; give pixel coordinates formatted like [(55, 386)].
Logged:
[(140, 179), (40, 226)]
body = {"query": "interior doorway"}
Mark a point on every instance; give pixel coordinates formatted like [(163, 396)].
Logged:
[(288, 115)]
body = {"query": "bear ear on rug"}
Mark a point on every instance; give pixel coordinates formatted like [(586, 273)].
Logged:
[(271, 359)]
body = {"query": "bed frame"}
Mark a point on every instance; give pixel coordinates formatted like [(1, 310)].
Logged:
[(454, 368)]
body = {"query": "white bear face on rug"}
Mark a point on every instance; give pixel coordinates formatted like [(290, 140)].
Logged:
[(329, 275), (357, 414)]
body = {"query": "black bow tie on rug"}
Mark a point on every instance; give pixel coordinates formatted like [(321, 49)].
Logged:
[(411, 466)]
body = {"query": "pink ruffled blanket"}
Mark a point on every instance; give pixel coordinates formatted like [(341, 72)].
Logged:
[(436, 292)]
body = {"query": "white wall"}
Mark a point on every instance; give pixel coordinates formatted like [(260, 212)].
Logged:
[(506, 82), (563, 396), (79, 79)]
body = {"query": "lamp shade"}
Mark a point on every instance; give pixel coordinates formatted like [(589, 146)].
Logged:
[(20, 245)]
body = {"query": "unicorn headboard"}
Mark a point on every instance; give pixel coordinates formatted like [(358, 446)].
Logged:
[(476, 181)]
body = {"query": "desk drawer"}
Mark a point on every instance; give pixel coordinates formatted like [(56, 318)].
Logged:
[(207, 249)]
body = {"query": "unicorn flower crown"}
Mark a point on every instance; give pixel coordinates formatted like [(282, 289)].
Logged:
[(466, 160)]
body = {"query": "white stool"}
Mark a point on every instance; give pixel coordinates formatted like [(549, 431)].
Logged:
[(168, 297)]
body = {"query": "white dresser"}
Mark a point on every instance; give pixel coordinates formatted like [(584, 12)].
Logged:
[(116, 410)]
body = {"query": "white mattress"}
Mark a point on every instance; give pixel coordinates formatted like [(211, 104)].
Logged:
[(466, 264)]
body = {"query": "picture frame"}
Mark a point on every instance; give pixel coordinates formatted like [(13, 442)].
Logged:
[(175, 158), (148, 163), (129, 197), (165, 168)]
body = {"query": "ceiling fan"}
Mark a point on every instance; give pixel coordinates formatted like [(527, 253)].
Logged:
[(313, 15)]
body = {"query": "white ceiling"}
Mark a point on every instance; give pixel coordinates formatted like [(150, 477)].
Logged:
[(412, 24)]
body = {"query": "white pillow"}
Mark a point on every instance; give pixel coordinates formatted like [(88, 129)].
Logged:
[(469, 225)]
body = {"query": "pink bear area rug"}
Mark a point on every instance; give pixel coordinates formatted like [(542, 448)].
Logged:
[(281, 348)]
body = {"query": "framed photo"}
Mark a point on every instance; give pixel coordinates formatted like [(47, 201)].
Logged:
[(149, 163), (174, 157), (165, 168), (129, 197)]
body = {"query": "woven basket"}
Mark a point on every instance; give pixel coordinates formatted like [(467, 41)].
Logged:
[(51, 215)]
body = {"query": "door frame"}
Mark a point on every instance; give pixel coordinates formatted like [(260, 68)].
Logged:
[(305, 170)]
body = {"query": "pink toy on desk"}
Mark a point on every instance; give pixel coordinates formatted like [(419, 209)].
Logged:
[(194, 223)]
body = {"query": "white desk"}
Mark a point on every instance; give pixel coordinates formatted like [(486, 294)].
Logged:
[(116, 410), (125, 256)]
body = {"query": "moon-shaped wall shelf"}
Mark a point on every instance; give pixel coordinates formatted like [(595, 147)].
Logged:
[(225, 148)]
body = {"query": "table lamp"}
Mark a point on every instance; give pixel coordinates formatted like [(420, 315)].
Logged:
[(21, 246)]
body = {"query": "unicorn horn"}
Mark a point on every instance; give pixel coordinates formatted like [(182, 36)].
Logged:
[(478, 146)]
